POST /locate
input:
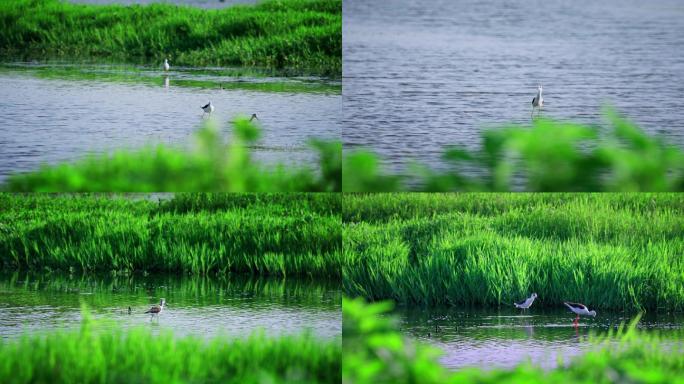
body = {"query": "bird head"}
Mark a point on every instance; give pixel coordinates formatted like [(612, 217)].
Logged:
[(534, 295), (592, 313), (539, 87)]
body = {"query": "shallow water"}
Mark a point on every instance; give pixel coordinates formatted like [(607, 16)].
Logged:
[(55, 112), (505, 338), (201, 307), (419, 76)]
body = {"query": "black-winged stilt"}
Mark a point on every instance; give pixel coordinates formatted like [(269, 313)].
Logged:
[(579, 309), (254, 116), (155, 310), (209, 108), (166, 65), (538, 101), (526, 303)]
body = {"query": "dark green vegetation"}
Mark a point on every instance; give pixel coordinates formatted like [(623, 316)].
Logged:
[(609, 251), (375, 352), (137, 356), (295, 36), (215, 164), (548, 156), (293, 234)]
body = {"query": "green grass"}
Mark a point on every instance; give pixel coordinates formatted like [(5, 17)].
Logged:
[(91, 355), (375, 352), (292, 36), (609, 251), (214, 164), (201, 235), (548, 156)]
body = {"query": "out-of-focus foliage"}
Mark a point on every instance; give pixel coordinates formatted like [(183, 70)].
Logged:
[(94, 355), (375, 352), (215, 164), (548, 156), (296, 36)]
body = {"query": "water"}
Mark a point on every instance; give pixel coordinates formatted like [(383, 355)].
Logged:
[(422, 75), (505, 338), (61, 112), (201, 307)]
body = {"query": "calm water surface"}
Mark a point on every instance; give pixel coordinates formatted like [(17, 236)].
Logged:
[(57, 112), (201, 307), (422, 75), (506, 338)]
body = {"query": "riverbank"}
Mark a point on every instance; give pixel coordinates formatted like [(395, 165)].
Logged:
[(291, 37)]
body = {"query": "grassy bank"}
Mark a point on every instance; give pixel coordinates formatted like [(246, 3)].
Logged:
[(609, 251), (216, 163), (374, 351), (200, 234), (547, 156), (297, 36), (136, 356)]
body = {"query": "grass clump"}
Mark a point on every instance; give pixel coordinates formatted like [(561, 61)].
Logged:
[(375, 352), (215, 164), (609, 251), (296, 36), (549, 156), (92, 355), (99, 233)]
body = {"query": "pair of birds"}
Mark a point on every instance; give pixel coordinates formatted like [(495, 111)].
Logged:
[(209, 108), (577, 308)]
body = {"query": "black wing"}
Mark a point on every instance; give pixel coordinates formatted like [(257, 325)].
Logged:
[(206, 106), (533, 99), (521, 302)]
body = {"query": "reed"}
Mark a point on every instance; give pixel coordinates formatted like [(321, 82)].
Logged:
[(291, 36), (102, 233), (609, 251)]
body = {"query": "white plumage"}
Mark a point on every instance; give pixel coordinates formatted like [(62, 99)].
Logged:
[(538, 100)]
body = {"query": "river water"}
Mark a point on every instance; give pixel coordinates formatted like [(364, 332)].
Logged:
[(507, 337), (201, 307), (419, 76), (54, 112)]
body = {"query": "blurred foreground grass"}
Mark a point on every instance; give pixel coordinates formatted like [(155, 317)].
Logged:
[(375, 352), (215, 164), (92, 355), (548, 156)]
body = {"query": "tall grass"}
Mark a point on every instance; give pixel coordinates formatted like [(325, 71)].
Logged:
[(301, 36), (216, 163), (84, 233), (91, 355), (548, 156), (609, 251), (374, 351)]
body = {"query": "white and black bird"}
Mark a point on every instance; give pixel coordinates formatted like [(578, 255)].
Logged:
[(156, 310), (254, 116), (538, 101), (209, 108), (579, 309), (526, 303), (166, 65)]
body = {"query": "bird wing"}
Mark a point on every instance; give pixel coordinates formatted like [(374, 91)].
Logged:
[(521, 302), (155, 309), (575, 305), (533, 99), (206, 106)]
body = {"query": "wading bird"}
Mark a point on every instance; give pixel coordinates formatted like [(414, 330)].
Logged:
[(209, 108), (254, 116), (155, 310), (166, 65), (526, 303), (538, 101), (579, 309)]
